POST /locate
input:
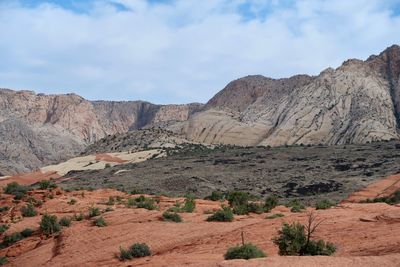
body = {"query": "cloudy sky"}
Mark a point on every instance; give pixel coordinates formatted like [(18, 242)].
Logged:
[(178, 51)]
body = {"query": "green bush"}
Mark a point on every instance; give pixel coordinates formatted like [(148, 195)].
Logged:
[(8, 240), (125, 254), (319, 247), (19, 191), (292, 240), (100, 222), (215, 196), (323, 205), (26, 232), (72, 201), (49, 225), (94, 211), (47, 184), (274, 216), (223, 215), (3, 260), (28, 211), (255, 207), (247, 251), (144, 203), (139, 250), (171, 216), (270, 203), (189, 205), (78, 217), (295, 206), (3, 228), (65, 221)]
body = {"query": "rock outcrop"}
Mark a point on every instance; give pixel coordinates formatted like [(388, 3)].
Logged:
[(355, 103), (37, 129)]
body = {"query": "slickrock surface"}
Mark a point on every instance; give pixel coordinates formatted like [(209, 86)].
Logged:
[(195, 242), (381, 188)]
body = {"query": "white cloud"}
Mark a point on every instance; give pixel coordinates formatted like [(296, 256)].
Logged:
[(186, 50)]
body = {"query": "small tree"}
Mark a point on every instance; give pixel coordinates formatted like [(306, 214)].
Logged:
[(295, 239)]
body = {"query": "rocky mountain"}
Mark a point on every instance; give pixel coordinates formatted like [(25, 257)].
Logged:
[(37, 129), (355, 103)]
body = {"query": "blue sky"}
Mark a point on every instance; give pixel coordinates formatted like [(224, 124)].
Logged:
[(179, 51)]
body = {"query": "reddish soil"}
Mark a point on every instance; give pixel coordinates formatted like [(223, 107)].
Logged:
[(29, 178), (365, 234), (381, 188)]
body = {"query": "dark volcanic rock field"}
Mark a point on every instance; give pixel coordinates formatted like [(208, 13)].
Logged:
[(307, 173)]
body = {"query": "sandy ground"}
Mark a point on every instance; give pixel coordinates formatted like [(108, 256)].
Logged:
[(91, 162), (365, 234)]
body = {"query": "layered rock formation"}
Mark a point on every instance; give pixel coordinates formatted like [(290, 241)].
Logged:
[(355, 103), (37, 129)]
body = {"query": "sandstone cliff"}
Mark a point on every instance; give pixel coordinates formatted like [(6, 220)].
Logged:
[(355, 103), (37, 129)]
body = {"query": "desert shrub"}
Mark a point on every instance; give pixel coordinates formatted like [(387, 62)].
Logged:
[(3, 260), (295, 239), (391, 200), (108, 209), (215, 196), (291, 239), (111, 201), (189, 205), (295, 206), (274, 216), (47, 184), (323, 204), (3, 228), (19, 191), (100, 222), (270, 203), (255, 207), (125, 254), (8, 240), (171, 216), (319, 247), (28, 210), (145, 203), (139, 250), (246, 251), (65, 221), (72, 201), (4, 208), (223, 215), (26, 232), (241, 203), (78, 217), (49, 225), (94, 211)]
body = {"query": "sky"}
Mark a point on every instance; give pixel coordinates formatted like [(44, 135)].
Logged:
[(181, 51)]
